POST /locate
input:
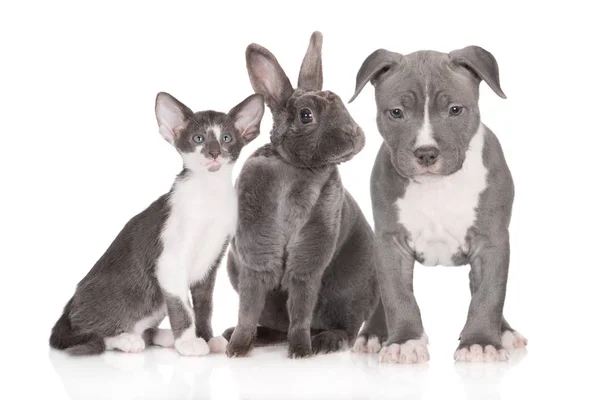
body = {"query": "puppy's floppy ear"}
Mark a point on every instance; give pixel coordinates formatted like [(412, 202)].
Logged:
[(311, 71), (247, 116), (481, 63), (172, 116), (267, 76), (374, 66)]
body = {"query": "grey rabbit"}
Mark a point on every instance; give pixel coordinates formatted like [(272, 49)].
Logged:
[(302, 258)]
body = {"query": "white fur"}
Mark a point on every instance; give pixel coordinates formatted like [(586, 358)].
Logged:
[(217, 131), (438, 210), (217, 344), (203, 214), (191, 346), (163, 338), (476, 353), (361, 345), (425, 134), (150, 321), (410, 352), (512, 341), (126, 342)]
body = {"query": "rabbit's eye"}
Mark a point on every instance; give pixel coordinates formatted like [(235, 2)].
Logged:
[(305, 116), (198, 138), (396, 113)]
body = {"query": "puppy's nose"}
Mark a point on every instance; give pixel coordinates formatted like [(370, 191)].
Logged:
[(427, 155), (351, 130)]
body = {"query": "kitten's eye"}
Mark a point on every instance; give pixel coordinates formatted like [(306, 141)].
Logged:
[(306, 116), (396, 113), (455, 110), (227, 138), (198, 138)]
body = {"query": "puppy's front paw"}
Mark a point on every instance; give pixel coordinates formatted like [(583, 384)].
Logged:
[(409, 352), (299, 350), (240, 343), (480, 353), (362, 345), (513, 340), (192, 347)]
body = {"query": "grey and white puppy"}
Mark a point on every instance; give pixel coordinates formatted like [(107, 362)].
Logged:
[(442, 194), (169, 248), (302, 256)]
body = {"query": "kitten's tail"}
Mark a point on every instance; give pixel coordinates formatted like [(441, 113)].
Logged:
[(64, 337)]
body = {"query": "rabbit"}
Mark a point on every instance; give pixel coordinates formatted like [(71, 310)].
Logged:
[(302, 257)]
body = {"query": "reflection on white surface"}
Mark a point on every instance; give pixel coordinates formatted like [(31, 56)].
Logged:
[(484, 380), (268, 374)]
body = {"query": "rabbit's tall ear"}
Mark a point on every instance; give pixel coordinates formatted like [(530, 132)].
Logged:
[(311, 71), (373, 68), (267, 76), (480, 63), (172, 116), (247, 116)]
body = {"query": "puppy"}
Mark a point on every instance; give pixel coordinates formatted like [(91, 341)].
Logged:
[(442, 194)]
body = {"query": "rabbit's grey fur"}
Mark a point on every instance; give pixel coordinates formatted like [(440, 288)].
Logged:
[(303, 253)]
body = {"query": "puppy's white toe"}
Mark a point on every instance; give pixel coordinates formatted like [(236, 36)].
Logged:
[(192, 347), (163, 338), (218, 344), (409, 352), (478, 353), (512, 340), (373, 345), (360, 345)]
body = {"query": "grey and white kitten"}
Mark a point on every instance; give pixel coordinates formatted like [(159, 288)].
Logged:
[(171, 247)]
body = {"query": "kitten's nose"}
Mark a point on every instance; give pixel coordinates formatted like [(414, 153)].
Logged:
[(214, 150)]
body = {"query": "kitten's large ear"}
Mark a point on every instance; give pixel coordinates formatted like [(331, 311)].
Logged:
[(311, 71), (247, 116), (267, 76), (172, 116), (481, 63), (373, 68)]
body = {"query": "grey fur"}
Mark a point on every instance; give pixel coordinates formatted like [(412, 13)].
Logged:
[(403, 82), (122, 288), (302, 256)]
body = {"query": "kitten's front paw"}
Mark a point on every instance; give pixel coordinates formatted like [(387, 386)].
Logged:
[(218, 344), (409, 352), (240, 343), (480, 353), (192, 347)]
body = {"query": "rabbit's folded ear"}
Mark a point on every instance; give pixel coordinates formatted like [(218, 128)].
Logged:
[(267, 76), (172, 116), (247, 116), (311, 71)]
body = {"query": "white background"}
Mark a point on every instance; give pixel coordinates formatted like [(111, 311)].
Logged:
[(81, 154)]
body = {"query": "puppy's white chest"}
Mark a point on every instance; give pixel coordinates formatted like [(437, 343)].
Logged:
[(437, 211)]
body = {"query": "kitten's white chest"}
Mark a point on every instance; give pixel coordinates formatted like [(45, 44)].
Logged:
[(437, 211), (203, 214)]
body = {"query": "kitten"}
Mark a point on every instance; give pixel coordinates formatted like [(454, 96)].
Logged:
[(171, 247)]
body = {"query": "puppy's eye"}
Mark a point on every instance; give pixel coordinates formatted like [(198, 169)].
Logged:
[(396, 113), (306, 116), (227, 138), (198, 138), (455, 110)]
